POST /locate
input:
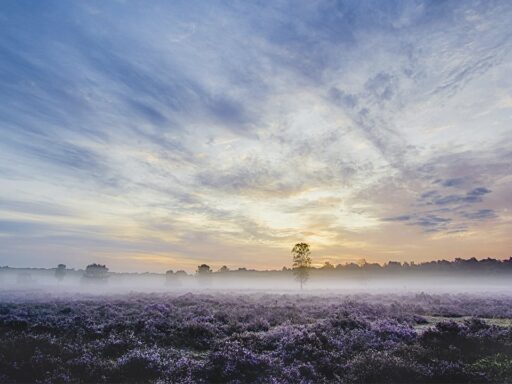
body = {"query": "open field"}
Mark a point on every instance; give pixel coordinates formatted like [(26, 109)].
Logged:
[(255, 338)]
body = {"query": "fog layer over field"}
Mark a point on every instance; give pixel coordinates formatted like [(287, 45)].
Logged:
[(236, 281)]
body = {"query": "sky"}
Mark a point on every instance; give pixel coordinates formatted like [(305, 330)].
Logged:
[(155, 135)]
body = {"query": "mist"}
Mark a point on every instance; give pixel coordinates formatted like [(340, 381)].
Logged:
[(319, 282), (350, 324)]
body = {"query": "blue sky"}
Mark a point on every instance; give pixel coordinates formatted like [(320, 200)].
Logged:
[(153, 135)]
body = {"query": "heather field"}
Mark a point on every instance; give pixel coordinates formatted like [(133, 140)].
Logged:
[(255, 337)]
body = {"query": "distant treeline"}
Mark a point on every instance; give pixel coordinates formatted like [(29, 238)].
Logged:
[(487, 266), (460, 266)]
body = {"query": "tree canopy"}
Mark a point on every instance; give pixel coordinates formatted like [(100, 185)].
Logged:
[(301, 262)]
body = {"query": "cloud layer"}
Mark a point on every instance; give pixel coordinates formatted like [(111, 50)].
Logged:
[(158, 135)]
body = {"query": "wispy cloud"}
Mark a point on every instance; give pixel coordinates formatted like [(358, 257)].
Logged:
[(221, 131)]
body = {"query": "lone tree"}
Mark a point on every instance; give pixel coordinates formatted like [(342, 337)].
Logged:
[(96, 272), (60, 271), (203, 269), (204, 274), (301, 262)]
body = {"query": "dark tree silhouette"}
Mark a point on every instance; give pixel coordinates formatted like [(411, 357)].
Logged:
[(327, 265), (203, 269), (96, 272), (224, 269), (301, 262), (60, 272), (204, 274)]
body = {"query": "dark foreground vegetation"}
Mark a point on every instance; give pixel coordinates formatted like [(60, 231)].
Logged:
[(256, 338)]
